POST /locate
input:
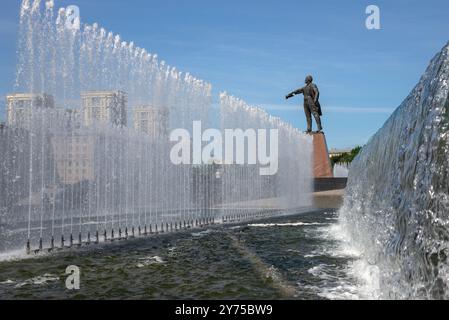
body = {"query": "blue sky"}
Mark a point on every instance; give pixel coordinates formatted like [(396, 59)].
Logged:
[(261, 50)]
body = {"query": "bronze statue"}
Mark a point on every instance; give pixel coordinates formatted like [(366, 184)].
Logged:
[(311, 103)]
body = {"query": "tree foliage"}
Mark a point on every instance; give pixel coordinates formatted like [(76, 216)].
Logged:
[(347, 157)]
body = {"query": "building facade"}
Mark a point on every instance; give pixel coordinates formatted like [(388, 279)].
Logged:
[(74, 157), (338, 152), (104, 107), (152, 121), (19, 107), (73, 146)]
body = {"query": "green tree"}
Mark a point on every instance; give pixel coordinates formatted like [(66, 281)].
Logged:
[(347, 157)]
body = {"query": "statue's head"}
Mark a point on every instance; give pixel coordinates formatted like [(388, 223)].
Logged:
[(309, 79)]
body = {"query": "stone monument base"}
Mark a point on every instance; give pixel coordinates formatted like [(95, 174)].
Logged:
[(322, 163)]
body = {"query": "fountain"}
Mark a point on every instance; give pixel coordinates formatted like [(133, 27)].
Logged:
[(341, 170), (73, 173), (397, 203), (294, 160)]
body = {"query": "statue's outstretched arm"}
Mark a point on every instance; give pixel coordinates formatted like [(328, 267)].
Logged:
[(294, 93), (299, 91)]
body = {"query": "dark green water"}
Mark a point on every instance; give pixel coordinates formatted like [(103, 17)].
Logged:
[(291, 257)]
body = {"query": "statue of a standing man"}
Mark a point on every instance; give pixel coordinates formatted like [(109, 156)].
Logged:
[(311, 103)]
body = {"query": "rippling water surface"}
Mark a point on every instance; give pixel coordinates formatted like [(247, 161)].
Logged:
[(295, 257)]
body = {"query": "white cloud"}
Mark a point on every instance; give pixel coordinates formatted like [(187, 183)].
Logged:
[(360, 110), (333, 109)]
